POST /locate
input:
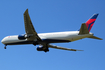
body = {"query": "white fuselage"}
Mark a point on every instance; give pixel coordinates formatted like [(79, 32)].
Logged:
[(67, 36)]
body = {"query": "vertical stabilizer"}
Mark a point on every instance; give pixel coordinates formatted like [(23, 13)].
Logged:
[(83, 29), (91, 21)]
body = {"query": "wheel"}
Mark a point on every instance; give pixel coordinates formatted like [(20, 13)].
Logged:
[(5, 47), (46, 50)]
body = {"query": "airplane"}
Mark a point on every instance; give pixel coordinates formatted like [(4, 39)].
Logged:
[(44, 39)]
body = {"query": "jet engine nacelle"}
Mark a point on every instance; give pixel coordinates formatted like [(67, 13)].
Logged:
[(21, 37), (24, 36), (41, 48)]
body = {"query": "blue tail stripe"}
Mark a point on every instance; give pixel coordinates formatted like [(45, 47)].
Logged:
[(90, 25), (94, 16)]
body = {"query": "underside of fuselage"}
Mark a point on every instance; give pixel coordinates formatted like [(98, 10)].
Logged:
[(47, 41)]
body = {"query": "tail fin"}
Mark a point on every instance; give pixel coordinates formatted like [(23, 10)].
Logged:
[(83, 29), (91, 21)]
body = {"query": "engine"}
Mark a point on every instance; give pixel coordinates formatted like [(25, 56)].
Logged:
[(42, 48), (21, 37), (24, 36)]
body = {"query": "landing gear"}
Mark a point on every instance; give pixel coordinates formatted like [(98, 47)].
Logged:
[(46, 50), (35, 43), (5, 47), (43, 47)]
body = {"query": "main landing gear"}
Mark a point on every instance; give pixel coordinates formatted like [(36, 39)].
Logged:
[(5, 47)]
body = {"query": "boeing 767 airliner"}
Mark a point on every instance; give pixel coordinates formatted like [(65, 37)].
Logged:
[(44, 39)]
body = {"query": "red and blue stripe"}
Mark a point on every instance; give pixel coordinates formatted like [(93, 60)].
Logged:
[(91, 21)]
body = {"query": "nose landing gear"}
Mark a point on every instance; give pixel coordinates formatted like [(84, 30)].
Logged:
[(5, 47)]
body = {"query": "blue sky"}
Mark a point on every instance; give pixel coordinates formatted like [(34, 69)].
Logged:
[(52, 16)]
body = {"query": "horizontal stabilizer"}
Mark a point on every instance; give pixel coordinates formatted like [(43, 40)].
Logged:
[(62, 48), (94, 37), (83, 29)]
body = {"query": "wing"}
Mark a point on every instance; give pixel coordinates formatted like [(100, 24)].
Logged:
[(62, 48), (31, 34)]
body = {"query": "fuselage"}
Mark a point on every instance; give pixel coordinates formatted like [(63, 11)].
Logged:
[(54, 37)]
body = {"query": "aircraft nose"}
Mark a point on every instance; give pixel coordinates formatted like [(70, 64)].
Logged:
[(3, 40)]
